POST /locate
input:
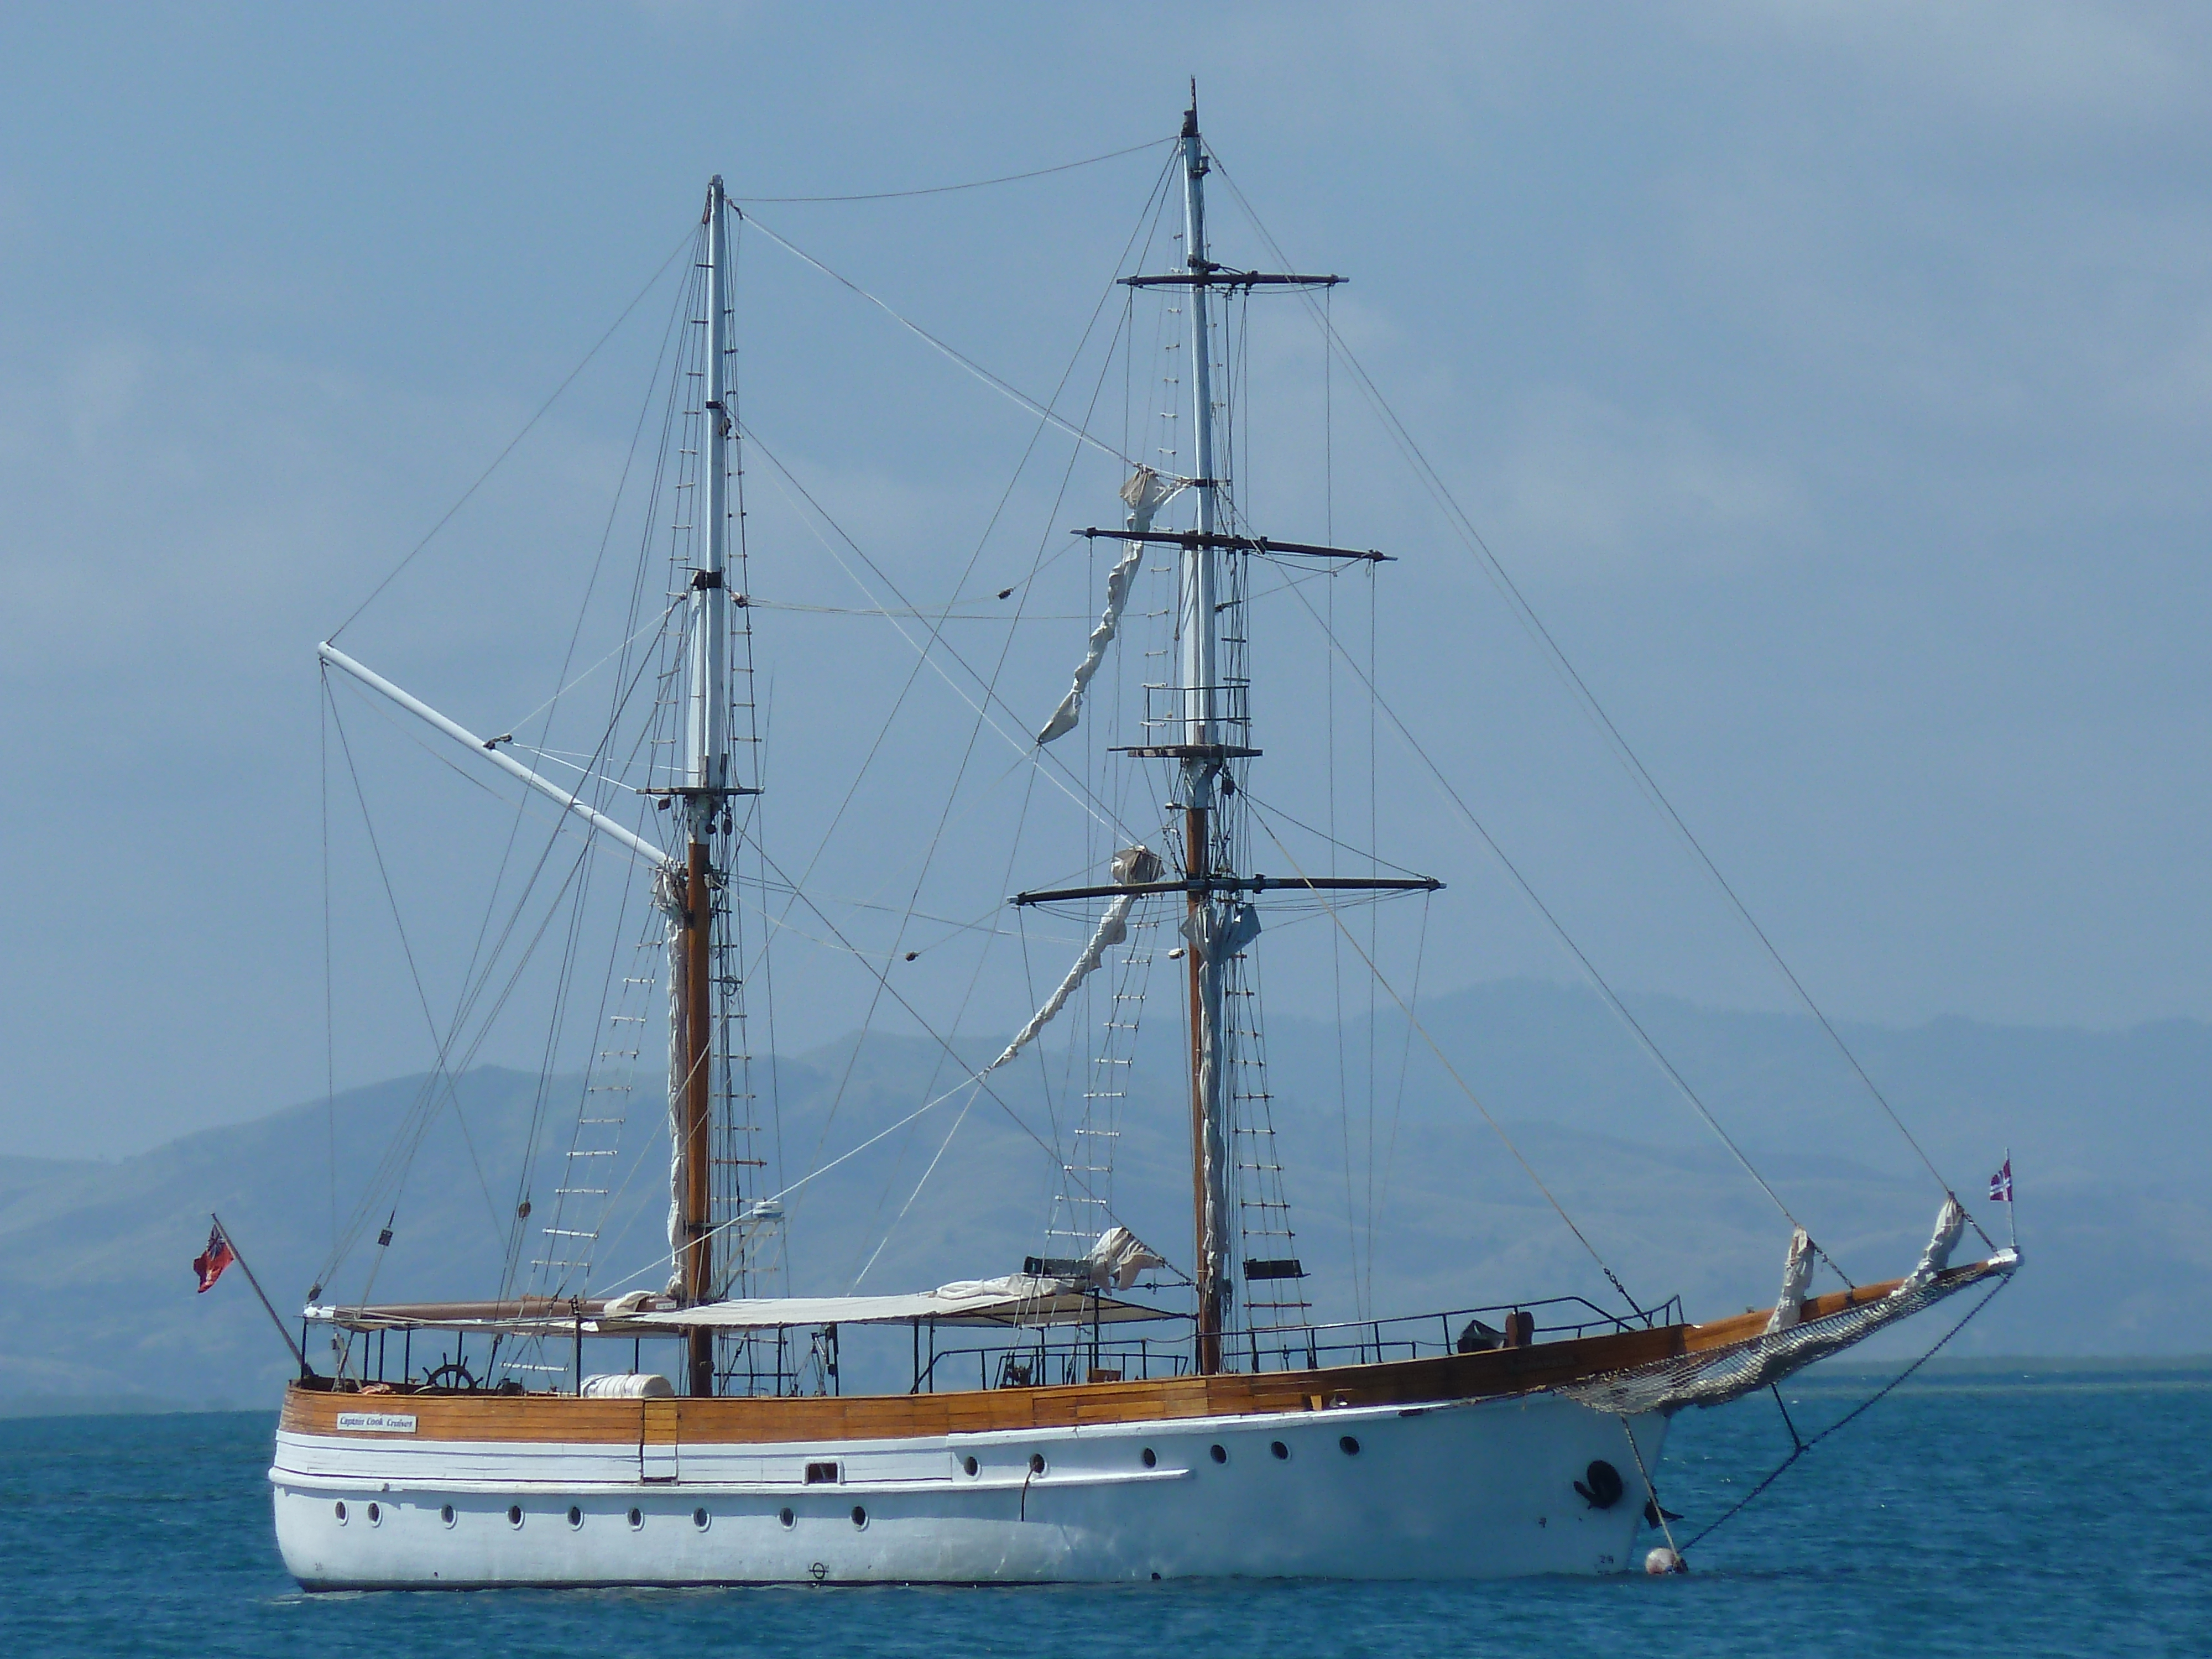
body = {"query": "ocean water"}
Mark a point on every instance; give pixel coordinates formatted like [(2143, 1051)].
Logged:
[(2025, 1512)]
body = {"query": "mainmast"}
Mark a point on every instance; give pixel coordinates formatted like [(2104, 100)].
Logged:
[(1206, 922), (705, 791), (1211, 726)]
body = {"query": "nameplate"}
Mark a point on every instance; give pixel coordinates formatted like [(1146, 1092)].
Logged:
[(376, 1423)]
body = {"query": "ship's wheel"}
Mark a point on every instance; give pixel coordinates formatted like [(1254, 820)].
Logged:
[(452, 1375)]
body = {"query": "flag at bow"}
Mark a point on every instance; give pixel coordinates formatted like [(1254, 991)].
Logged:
[(210, 1263), (2000, 1184)]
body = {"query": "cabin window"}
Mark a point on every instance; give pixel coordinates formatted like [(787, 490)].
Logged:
[(445, 1514), (969, 1464), (1150, 1456), (514, 1514), (820, 1475), (786, 1519), (1282, 1452), (339, 1510), (860, 1516), (1349, 1445), (576, 1517), (375, 1516), (636, 1519), (1218, 1453), (699, 1519), (1036, 1462)]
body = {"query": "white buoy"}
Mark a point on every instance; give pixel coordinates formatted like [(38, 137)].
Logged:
[(1662, 1561)]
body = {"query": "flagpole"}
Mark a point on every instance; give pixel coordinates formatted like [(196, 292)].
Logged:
[(2012, 1209), (259, 1291)]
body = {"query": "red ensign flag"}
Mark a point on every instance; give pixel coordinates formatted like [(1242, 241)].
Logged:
[(210, 1263), (2001, 1185)]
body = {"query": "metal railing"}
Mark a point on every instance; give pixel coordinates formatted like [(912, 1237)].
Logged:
[(1037, 1359)]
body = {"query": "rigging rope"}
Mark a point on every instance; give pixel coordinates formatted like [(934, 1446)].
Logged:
[(1079, 792), (1559, 931), (947, 190), (1004, 388), (1579, 690), (1414, 1020), (407, 948), (1801, 1446), (566, 380)]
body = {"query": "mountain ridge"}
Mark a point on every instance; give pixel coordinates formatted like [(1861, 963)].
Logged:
[(2119, 1251)]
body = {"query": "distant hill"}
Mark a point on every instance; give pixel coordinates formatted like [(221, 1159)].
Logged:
[(2110, 1136)]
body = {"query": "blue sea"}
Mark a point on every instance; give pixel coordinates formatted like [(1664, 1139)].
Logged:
[(2025, 1511)]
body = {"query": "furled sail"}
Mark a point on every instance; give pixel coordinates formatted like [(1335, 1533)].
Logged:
[(1132, 866), (1714, 1376), (1119, 1256), (1146, 492), (669, 901), (1796, 1275), (1111, 1264)]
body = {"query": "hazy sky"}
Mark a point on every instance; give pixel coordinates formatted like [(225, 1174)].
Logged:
[(1835, 380)]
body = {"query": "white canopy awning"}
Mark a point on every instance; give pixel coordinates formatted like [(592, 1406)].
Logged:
[(1073, 1292), (989, 1301)]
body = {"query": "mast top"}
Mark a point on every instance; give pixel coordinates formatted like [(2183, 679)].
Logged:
[(1190, 115)]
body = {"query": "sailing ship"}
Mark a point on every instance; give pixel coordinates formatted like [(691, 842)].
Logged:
[(1231, 1434)]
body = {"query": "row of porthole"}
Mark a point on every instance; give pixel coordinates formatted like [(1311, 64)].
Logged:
[(1348, 1444), (699, 1518)]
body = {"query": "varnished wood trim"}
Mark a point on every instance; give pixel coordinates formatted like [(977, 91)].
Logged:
[(563, 1419)]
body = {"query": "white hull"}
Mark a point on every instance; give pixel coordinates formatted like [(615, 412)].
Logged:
[(1475, 1490)]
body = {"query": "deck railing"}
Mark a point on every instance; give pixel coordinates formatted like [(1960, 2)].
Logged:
[(1067, 1354)]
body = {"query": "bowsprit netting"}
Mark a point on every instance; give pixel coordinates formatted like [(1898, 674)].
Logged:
[(1719, 1374)]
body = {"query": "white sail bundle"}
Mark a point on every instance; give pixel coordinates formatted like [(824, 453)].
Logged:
[(1796, 1276), (669, 901), (1717, 1375), (1111, 1264), (1132, 866), (1147, 493)]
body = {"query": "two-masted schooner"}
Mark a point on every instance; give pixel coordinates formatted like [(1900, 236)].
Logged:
[(1515, 1440)]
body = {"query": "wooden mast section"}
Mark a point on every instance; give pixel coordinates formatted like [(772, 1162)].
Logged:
[(694, 1093)]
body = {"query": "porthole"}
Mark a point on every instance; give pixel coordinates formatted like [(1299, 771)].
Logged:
[(1218, 1453), (375, 1515), (969, 1464), (1150, 1456), (636, 1519), (699, 1519), (786, 1519), (1349, 1445), (1282, 1452), (445, 1514), (1036, 1462), (860, 1516), (514, 1514), (338, 1510), (576, 1517)]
